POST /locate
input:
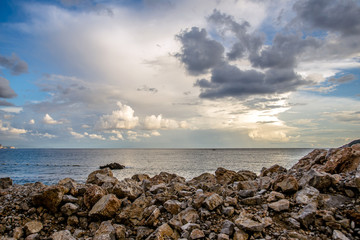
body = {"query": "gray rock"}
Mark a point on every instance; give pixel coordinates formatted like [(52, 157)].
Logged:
[(62, 235), (228, 228), (249, 222), (337, 235), (69, 209), (306, 215), (307, 195)]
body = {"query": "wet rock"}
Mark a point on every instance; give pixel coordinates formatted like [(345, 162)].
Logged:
[(50, 198), (106, 231), (113, 166), (127, 188), (33, 227), (93, 194), (69, 209), (197, 234), (62, 235), (5, 183), (307, 195), (106, 207), (213, 201)]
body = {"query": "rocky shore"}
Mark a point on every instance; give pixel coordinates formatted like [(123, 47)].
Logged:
[(318, 198)]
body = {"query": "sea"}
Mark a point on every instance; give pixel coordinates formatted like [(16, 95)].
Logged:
[(51, 165)]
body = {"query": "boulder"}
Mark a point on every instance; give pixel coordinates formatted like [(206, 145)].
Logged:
[(172, 206), (316, 179), (273, 170), (274, 196), (228, 227), (189, 215), (213, 201), (93, 194), (113, 166), (5, 183), (70, 185), (134, 212), (342, 160), (333, 201), (163, 232), (307, 195), (50, 198), (197, 234), (62, 235), (280, 205), (286, 184), (248, 185), (306, 215), (99, 177), (106, 207), (106, 231), (249, 222), (127, 188)]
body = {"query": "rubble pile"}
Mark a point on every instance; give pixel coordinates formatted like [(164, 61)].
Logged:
[(318, 198)]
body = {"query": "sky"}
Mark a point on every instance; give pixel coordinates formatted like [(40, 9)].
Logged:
[(179, 74)]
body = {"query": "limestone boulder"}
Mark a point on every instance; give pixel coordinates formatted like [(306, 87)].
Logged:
[(99, 177), (106, 207)]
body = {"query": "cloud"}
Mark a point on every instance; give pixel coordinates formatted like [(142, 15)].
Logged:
[(119, 119), (49, 120), (6, 103), (5, 90), (76, 135), (7, 129), (229, 81), (339, 16), (14, 64), (147, 89), (270, 134), (343, 79), (32, 121), (199, 53), (158, 122), (352, 117), (43, 135), (94, 136)]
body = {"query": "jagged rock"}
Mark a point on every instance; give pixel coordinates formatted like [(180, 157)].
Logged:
[(106, 231), (213, 201), (228, 228), (224, 176), (228, 211), (197, 234), (113, 166), (190, 226), (50, 198), (316, 179), (273, 170), (152, 213), (357, 177), (127, 188), (333, 201), (167, 178), (69, 209), (248, 185), (99, 177), (157, 188), (256, 200), (62, 235), (18, 232), (120, 232), (34, 236), (274, 196), (240, 234), (280, 205), (135, 211), (307, 195), (342, 160), (73, 220), (5, 183), (189, 215), (249, 222), (172, 206), (33, 227), (223, 236), (337, 235), (143, 232), (70, 185), (69, 199), (106, 207), (163, 232), (246, 193), (307, 214), (93, 194), (317, 156), (286, 184), (140, 177)]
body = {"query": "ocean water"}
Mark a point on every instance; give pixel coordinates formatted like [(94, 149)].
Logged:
[(51, 165)]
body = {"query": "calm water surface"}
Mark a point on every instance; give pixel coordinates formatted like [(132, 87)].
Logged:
[(51, 165)]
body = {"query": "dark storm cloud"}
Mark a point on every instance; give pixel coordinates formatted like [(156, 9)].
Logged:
[(229, 81), (284, 51), (340, 16), (198, 52), (343, 79), (5, 89), (14, 64), (245, 44)]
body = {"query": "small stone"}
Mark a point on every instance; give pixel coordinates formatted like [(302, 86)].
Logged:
[(33, 227), (337, 235), (190, 226), (223, 236), (172, 206), (18, 233), (73, 220), (69, 209), (228, 211), (34, 236), (240, 235), (120, 232), (5, 183), (228, 228), (274, 196), (256, 200), (280, 205), (197, 234), (105, 232), (307, 195), (62, 235)]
